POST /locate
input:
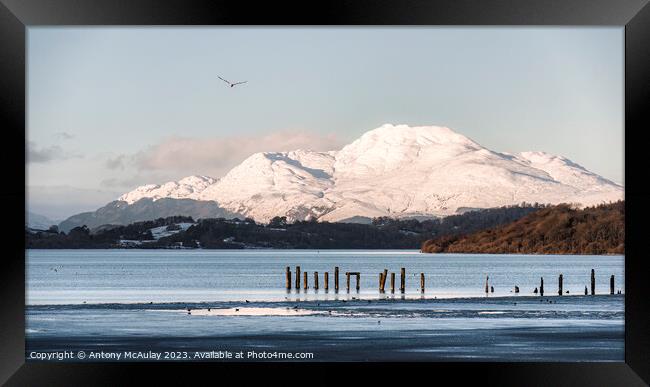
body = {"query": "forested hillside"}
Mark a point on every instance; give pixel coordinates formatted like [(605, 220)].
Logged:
[(555, 230)]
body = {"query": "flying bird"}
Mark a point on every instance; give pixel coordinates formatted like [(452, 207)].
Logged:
[(230, 83)]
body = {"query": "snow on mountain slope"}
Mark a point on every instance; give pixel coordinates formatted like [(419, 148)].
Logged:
[(390, 171), (281, 183), (390, 148), (186, 188), (564, 170)]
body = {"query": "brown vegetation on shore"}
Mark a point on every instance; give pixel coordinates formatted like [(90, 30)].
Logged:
[(560, 229)]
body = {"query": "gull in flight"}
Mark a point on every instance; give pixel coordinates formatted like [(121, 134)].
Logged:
[(231, 84)]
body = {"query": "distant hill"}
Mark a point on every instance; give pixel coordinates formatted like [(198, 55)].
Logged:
[(121, 213), (38, 221), (102, 230), (559, 229)]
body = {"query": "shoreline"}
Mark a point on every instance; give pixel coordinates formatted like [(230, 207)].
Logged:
[(354, 249), (529, 328), (343, 302)]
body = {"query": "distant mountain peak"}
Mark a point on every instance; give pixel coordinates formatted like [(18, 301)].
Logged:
[(393, 170), (405, 138), (186, 188), (391, 147)]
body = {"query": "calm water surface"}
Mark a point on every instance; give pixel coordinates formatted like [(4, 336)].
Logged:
[(128, 276), (207, 300)]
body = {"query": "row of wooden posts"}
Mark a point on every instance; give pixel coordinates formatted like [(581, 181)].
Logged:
[(382, 280), (402, 287), (560, 281)]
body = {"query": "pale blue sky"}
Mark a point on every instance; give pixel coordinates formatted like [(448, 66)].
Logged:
[(113, 108)]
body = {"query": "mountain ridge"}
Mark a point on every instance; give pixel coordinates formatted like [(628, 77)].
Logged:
[(393, 170)]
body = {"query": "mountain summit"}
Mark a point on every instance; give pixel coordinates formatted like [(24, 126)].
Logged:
[(394, 170)]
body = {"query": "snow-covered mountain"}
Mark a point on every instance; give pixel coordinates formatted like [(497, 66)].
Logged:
[(397, 171), (186, 188)]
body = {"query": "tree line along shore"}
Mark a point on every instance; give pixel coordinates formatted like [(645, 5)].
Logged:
[(524, 229)]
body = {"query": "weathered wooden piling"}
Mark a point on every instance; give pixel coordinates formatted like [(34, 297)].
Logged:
[(593, 282), (381, 277), (383, 280), (559, 283), (336, 279), (422, 282), (486, 283), (347, 281), (402, 284), (326, 279), (586, 291), (315, 280), (392, 282), (305, 280), (297, 277), (516, 289), (358, 281), (288, 277), (541, 286), (611, 284)]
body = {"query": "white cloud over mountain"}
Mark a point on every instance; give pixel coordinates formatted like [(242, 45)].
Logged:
[(181, 156)]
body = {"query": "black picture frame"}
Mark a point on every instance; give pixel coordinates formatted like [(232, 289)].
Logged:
[(633, 15)]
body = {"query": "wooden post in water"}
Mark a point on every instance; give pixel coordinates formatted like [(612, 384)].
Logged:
[(336, 279), (347, 281), (486, 284), (611, 284), (381, 277), (593, 282), (402, 283), (327, 281), (392, 282), (315, 280), (288, 278), (559, 292), (305, 279), (541, 286), (358, 281), (383, 280), (422, 282), (297, 277)]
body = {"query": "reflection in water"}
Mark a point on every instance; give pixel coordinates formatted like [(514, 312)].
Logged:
[(131, 276)]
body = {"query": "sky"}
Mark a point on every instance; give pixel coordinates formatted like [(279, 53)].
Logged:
[(110, 109)]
